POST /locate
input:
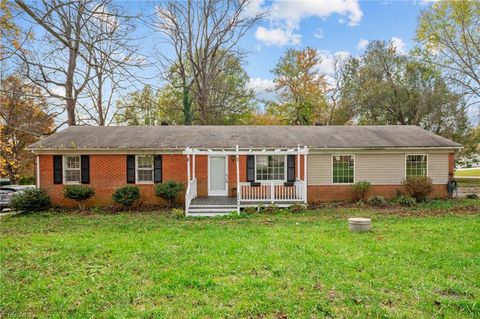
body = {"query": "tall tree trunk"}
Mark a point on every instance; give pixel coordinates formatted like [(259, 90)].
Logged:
[(202, 102), (187, 106), (12, 174), (101, 116), (69, 89)]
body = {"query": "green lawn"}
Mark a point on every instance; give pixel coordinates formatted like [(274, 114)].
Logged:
[(471, 172), (303, 265)]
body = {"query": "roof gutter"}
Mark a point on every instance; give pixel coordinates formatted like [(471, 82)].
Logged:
[(54, 151)]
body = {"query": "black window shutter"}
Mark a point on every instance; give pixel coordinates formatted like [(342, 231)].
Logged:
[(131, 169), (157, 169), (57, 169), (250, 168), (85, 167), (290, 168)]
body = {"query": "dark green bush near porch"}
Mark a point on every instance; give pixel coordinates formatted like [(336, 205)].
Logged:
[(168, 191), (78, 193), (31, 200), (126, 195), (360, 189), (419, 187)]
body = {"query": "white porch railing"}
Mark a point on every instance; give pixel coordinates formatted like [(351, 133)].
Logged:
[(190, 194), (272, 191)]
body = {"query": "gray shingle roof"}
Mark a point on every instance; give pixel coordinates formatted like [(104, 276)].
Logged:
[(179, 137)]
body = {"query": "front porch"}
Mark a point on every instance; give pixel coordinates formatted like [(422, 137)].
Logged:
[(252, 193)]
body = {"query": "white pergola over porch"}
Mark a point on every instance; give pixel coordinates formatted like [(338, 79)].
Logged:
[(248, 193)]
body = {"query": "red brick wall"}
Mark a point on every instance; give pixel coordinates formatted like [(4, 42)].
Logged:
[(107, 173), (201, 173)]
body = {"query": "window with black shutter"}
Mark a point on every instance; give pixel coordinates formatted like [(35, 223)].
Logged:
[(131, 169), (85, 169), (57, 169), (290, 168), (157, 169), (250, 168)]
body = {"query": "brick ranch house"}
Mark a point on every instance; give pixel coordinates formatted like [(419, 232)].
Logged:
[(224, 168)]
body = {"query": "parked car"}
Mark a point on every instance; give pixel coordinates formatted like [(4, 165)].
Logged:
[(6, 193), (4, 181)]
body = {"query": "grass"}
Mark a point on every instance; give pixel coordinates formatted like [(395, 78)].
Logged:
[(470, 172), (304, 265)]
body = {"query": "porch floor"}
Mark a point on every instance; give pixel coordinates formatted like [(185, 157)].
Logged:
[(214, 201)]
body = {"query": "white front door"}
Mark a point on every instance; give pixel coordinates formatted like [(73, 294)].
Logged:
[(217, 176)]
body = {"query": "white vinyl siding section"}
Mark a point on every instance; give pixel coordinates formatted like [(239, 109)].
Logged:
[(381, 169), (438, 168), (377, 168), (319, 169)]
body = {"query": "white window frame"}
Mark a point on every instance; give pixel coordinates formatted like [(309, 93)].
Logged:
[(422, 154), (64, 159), (272, 180), (137, 181), (354, 169)]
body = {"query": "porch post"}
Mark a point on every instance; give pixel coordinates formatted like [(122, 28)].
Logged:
[(237, 160), (193, 166), (37, 171), (305, 176), (298, 162), (188, 168)]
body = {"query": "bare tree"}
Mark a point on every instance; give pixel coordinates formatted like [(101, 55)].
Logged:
[(114, 57), (81, 44), (202, 34), (334, 91), (57, 65)]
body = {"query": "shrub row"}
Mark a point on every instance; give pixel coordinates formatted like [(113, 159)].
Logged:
[(418, 187), (37, 199), (126, 195)]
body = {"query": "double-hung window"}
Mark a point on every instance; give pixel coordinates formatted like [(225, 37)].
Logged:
[(343, 169), (72, 166), (270, 167), (416, 165), (144, 169)]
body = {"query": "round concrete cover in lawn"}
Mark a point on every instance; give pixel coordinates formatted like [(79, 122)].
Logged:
[(359, 224)]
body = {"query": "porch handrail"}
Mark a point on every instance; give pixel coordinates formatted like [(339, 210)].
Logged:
[(191, 193), (274, 191)]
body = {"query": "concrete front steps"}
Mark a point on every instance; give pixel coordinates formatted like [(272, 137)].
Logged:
[(211, 210)]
